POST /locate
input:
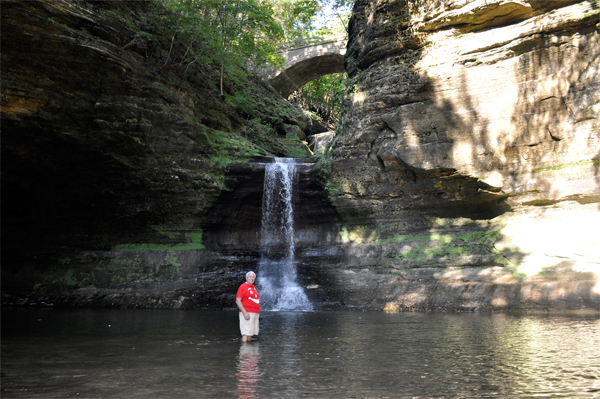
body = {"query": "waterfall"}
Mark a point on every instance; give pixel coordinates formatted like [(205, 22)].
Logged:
[(276, 281)]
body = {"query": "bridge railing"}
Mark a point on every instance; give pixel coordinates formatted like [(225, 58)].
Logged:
[(311, 41)]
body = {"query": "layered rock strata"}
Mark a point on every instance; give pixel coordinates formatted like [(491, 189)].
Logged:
[(467, 166), (464, 175), (112, 153), (202, 274)]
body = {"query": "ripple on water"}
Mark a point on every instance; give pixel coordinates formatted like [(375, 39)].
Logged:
[(298, 354)]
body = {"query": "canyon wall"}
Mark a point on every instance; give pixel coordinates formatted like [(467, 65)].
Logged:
[(466, 168), (114, 151), (464, 174)]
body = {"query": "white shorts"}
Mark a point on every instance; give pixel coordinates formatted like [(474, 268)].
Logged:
[(249, 327)]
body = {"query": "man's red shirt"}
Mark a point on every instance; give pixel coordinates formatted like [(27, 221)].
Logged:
[(250, 298)]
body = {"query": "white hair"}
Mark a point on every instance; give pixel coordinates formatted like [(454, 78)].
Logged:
[(249, 273)]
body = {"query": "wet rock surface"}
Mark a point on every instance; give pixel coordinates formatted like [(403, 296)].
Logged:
[(105, 145)]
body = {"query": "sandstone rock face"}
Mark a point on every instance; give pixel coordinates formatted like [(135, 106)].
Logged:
[(470, 149), (112, 156), (202, 274), (464, 176)]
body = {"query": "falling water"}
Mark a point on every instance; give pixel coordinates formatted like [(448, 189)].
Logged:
[(277, 283)]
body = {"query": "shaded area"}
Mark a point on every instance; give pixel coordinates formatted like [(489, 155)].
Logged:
[(233, 226), (107, 146), (307, 63), (296, 76)]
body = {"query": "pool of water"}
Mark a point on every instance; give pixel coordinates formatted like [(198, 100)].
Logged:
[(199, 354)]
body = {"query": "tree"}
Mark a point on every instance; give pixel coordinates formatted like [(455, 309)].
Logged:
[(247, 31), (296, 17), (339, 13), (231, 33), (323, 96)]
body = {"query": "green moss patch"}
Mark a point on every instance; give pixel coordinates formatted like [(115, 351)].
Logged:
[(194, 242), (487, 237), (424, 248), (560, 167)]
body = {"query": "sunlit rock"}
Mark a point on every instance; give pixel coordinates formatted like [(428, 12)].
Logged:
[(469, 152)]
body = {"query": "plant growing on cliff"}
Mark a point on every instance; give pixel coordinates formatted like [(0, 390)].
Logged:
[(229, 33), (323, 96), (225, 33)]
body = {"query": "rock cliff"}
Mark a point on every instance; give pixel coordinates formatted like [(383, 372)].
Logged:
[(464, 175), (113, 154), (467, 165)]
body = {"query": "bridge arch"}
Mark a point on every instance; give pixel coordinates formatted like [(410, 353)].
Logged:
[(306, 60)]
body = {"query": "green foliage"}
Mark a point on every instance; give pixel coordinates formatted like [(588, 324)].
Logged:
[(225, 148), (484, 237), (344, 233), (195, 237), (560, 167), (181, 34), (265, 137), (71, 279), (323, 96), (65, 260), (36, 288), (323, 166), (516, 273), (306, 18), (425, 248), (323, 163), (296, 18), (171, 261), (229, 33), (243, 28), (241, 101), (339, 16), (191, 41), (294, 148)]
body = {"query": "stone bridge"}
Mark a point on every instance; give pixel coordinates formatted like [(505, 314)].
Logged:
[(306, 60)]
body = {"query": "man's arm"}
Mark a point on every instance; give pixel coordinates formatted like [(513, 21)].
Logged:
[(238, 302)]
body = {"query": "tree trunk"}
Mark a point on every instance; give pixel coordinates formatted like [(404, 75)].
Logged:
[(222, 64)]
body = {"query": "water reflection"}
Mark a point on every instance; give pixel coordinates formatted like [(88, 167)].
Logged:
[(298, 354), (248, 370)]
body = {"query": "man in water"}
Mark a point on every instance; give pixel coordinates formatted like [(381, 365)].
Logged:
[(247, 300)]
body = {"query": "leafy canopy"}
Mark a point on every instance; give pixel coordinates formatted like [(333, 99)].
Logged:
[(297, 18), (230, 33), (323, 96), (237, 35)]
